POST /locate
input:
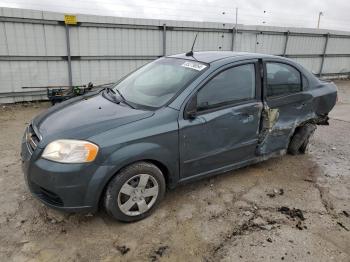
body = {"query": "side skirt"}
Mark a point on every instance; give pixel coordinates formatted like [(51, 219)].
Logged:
[(231, 167)]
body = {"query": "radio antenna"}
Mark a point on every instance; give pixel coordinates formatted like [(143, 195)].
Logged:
[(190, 53)]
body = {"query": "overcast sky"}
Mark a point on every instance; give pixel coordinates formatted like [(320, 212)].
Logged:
[(298, 13)]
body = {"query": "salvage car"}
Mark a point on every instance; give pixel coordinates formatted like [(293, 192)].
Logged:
[(174, 120)]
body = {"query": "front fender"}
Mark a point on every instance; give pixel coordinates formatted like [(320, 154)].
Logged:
[(144, 151), (129, 154)]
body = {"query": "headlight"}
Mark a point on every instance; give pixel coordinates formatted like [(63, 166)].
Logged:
[(70, 151)]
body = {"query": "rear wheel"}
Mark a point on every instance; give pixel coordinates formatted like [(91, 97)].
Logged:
[(134, 192), (301, 138)]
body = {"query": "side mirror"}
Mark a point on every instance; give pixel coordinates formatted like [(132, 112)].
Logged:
[(191, 108)]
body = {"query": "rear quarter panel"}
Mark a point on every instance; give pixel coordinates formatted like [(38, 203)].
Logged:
[(325, 97)]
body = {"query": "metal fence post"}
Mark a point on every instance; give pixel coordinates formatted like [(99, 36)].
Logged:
[(164, 39), (233, 39), (69, 56), (286, 44), (324, 54), (234, 36)]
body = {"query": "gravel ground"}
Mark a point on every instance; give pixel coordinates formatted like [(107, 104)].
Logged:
[(291, 208)]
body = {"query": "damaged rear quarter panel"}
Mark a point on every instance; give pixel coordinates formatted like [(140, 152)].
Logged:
[(282, 115)]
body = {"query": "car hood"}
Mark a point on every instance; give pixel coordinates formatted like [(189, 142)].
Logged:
[(83, 117)]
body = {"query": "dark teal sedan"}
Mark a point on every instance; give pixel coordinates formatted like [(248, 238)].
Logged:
[(174, 120)]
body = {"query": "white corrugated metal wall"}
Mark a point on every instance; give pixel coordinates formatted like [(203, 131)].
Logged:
[(33, 47)]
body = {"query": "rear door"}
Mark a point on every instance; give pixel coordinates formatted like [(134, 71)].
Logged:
[(225, 129), (287, 103)]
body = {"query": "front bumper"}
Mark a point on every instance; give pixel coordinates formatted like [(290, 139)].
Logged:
[(68, 187)]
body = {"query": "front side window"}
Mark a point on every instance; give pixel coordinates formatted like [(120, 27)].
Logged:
[(234, 84), (282, 79), (154, 84)]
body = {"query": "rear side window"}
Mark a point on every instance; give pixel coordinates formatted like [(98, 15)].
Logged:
[(233, 84), (282, 79)]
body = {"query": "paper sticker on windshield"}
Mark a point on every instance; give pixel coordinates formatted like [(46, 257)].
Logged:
[(195, 66)]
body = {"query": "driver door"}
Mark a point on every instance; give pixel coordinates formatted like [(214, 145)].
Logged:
[(224, 129)]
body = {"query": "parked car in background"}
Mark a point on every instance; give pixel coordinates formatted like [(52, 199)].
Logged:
[(174, 120)]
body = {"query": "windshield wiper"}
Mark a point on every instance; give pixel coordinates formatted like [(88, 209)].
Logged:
[(109, 89), (112, 94), (123, 98)]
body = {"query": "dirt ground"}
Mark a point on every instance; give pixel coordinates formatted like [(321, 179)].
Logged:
[(247, 215)]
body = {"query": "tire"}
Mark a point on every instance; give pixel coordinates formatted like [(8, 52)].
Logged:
[(300, 139), (134, 192)]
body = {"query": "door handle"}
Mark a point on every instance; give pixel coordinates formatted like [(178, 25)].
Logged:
[(244, 116), (300, 106), (236, 113)]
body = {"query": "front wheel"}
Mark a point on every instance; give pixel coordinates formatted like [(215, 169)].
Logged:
[(134, 192)]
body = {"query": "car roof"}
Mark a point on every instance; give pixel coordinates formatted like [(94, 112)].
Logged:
[(212, 56)]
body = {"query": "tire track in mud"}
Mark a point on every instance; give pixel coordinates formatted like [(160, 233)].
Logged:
[(217, 252)]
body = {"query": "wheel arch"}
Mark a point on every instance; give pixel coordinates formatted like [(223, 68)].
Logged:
[(300, 135), (170, 181)]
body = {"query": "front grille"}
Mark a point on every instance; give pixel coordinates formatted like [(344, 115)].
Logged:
[(32, 138)]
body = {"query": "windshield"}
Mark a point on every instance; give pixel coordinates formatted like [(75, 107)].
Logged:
[(154, 84)]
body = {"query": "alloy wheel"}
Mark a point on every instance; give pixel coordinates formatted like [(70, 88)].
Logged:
[(138, 194)]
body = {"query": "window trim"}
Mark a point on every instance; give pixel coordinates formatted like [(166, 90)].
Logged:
[(230, 103), (266, 85)]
